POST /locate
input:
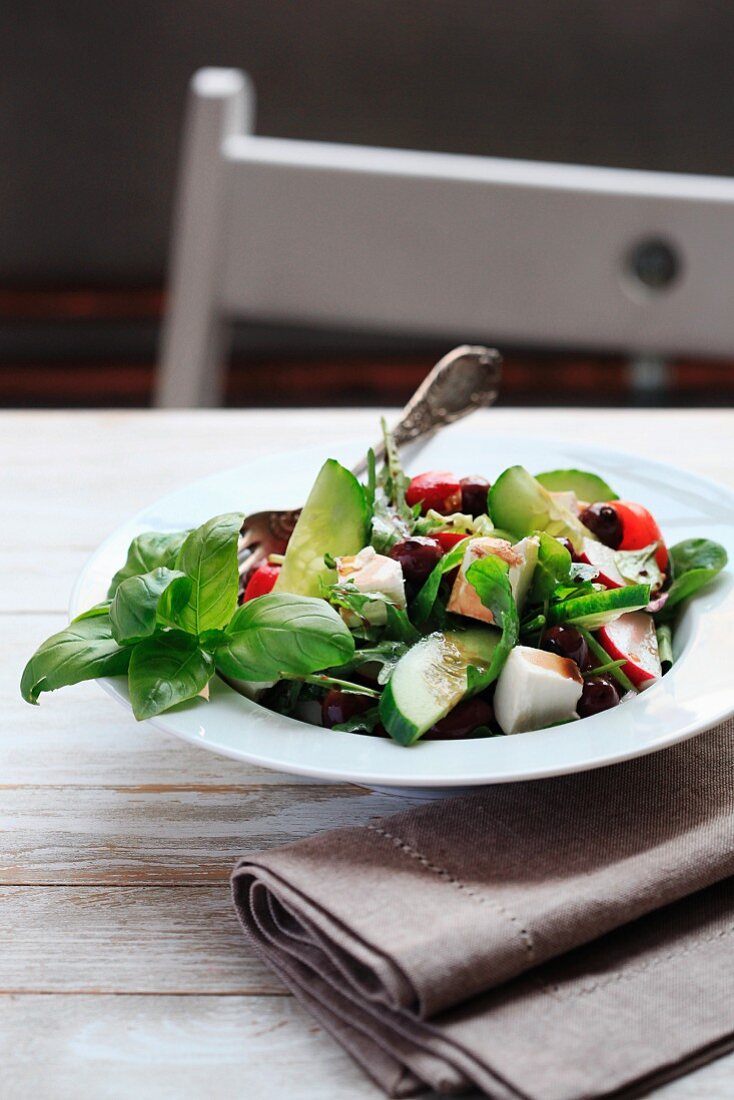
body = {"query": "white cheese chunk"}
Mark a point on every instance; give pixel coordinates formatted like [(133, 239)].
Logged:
[(536, 689), (371, 572), (521, 559)]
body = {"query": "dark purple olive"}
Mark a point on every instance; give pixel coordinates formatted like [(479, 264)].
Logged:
[(603, 521), (566, 641), (339, 706), (462, 720), (600, 693), (417, 557), (568, 545), (474, 491)]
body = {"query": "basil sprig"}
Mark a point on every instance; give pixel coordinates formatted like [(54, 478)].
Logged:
[(171, 619)]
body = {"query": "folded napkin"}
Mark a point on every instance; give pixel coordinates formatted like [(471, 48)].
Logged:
[(555, 939)]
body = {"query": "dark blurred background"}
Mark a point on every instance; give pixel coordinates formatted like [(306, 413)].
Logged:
[(92, 97)]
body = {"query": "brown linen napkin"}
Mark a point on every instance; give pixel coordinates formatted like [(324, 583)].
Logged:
[(556, 939)]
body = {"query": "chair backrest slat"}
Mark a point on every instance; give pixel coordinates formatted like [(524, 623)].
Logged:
[(477, 248)]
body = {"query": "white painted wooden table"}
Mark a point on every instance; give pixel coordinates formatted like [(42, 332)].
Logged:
[(122, 970)]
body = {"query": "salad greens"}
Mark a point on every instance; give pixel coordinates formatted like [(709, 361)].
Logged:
[(425, 607)]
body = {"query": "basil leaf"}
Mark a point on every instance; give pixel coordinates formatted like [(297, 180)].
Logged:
[(141, 603), (209, 558), (146, 552), (422, 605), (93, 612), (283, 635), (166, 669), (553, 569), (83, 651), (490, 579), (694, 562)]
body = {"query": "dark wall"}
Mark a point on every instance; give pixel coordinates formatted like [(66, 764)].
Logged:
[(91, 95)]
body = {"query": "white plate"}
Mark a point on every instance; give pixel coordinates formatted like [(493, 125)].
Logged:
[(697, 693)]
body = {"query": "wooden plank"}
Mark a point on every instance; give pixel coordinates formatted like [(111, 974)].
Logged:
[(184, 1048), (45, 506), (119, 940), (170, 1048), (36, 581), (77, 501), (157, 834)]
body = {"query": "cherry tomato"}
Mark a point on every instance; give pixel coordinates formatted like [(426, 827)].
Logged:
[(639, 529), (436, 489), (447, 539), (262, 581)]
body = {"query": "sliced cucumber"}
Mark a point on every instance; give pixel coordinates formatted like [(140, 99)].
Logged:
[(520, 504), (334, 520), (598, 608), (587, 486), (432, 678)]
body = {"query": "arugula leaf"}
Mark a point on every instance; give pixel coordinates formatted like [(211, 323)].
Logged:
[(392, 517), (142, 603), (386, 654), (490, 578), (373, 609), (166, 669), (423, 603), (694, 562), (282, 635), (146, 552), (397, 481), (83, 651), (360, 723), (209, 558), (553, 568)]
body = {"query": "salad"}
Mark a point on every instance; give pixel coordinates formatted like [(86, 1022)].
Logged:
[(432, 607)]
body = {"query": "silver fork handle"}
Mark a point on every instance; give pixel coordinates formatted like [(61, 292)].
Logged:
[(466, 379)]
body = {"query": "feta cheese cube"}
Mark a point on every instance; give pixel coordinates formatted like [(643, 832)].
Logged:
[(521, 559), (371, 572), (536, 689)]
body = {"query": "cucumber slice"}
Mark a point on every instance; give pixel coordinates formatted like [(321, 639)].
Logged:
[(598, 608), (334, 520), (431, 679), (586, 486), (520, 504)]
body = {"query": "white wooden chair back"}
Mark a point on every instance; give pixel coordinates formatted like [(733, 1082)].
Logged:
[(502, 251)]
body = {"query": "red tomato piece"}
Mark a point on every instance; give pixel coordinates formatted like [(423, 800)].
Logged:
[(436, 489), (262, 581), (639, 529), (447, 539)]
